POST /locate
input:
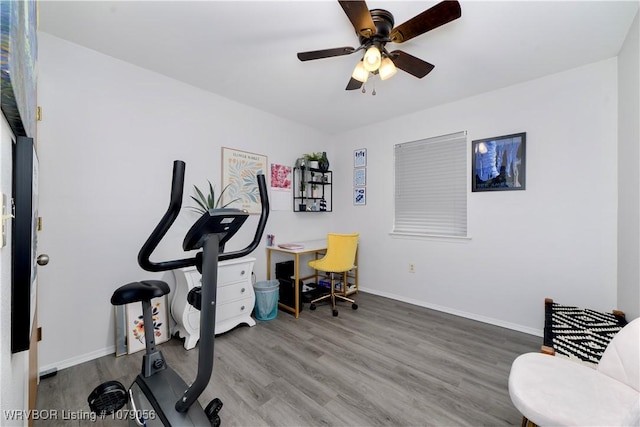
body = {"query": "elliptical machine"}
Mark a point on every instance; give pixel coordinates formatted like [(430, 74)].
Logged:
[(158, 396)]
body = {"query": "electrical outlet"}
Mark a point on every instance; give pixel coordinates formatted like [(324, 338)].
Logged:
[(412, 268)]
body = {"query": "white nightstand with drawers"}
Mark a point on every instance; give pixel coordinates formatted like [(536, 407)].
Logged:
[(234, 302)]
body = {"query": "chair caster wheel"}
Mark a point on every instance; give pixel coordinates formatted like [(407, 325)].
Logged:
[(354, 306), (312, 307), (335, 313), (215, 422)]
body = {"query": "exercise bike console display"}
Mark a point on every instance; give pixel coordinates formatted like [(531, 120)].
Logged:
[(223, 222), (158, 390)]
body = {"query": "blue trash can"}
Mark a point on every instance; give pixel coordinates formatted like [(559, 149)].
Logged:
[(267, 295)]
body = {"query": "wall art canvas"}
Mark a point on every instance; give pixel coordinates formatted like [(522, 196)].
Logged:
[(281, 187), (18, 57), (360, 158), (239, 172), (135, 323), (499, 163), (360, 177), (360, 196), (120, 332), (280, 176)]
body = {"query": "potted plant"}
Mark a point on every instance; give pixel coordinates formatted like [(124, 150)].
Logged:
[(313, 159), (205, 203)]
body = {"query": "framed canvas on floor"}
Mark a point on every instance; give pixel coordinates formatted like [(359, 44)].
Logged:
[(135, 323)]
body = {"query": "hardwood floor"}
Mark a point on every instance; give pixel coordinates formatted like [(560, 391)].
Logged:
[(386, 364)]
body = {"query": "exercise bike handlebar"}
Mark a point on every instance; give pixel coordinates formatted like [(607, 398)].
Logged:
[(262, 222), (175, 204)]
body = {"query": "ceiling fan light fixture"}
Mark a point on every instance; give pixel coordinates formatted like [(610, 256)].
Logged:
[(360, 73), (374, 29), (387, 69), (372, 59)]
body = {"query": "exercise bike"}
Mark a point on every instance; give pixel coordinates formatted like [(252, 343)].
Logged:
[(158, 396)]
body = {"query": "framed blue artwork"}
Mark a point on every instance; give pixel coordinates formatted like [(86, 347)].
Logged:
[(360, 196), (360, 158), (360, 177), (498, 163)]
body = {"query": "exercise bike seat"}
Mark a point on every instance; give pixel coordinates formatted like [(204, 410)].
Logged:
[(139, 291)]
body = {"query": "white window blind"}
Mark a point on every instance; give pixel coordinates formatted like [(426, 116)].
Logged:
[(431, 186)]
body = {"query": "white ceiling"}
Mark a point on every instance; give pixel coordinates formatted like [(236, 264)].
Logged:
[(246, 50)]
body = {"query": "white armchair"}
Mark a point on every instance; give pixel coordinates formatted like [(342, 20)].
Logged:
[(555, 391)]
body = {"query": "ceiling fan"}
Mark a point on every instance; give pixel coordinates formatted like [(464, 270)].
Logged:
[(375, 28)]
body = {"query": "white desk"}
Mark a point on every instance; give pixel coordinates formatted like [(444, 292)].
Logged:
[(316, 247)]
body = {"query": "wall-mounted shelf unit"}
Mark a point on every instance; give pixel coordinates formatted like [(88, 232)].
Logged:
[(312, 190)]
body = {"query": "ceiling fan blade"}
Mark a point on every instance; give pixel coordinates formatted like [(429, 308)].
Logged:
[(353, 84), (326, 53), (409, 63), (360, 17), (431, 18)]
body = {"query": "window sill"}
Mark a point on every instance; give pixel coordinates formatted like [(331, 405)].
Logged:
[(438, 237)]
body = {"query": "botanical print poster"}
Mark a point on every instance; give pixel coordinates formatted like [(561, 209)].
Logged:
[(281, 191), (239, 172), (135, 323)]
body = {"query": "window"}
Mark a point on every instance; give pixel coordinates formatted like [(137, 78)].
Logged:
[(431, 186)]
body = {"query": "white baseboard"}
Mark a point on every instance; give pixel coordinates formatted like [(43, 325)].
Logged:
[(77, 360), (472, 316)]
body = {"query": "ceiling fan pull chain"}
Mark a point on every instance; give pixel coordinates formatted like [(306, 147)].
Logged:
[(374, 88), (364, 88)]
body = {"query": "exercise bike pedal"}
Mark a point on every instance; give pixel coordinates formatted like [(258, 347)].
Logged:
[(212, 410), (107, 398)]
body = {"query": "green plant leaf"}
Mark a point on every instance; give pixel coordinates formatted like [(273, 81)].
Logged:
[(313, 156), (205, 203), (220, 198), (202, 200), (212, 197), (201, 209)]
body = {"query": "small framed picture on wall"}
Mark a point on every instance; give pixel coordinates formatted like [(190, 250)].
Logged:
[(360, 158), (360, 196), (359, 177)]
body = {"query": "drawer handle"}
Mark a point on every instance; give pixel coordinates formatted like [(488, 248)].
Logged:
[(242, 273), (242, 291), (242, 308)]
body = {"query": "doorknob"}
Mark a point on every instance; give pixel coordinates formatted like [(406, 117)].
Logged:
[(43, 259)]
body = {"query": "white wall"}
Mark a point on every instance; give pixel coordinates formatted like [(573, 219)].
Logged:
[(107, 142), (13, 367), (556, 239), (111, 131), (628, 174)]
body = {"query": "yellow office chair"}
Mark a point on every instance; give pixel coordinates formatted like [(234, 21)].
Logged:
[(340, 258)]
